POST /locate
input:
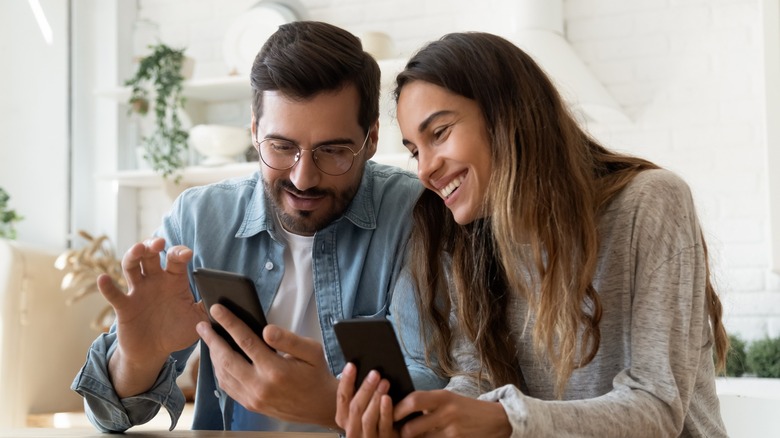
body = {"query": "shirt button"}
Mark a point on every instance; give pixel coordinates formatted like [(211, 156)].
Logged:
[(269, 266), (216, 393)]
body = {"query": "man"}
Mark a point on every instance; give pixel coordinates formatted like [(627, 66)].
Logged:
[(320, 230)]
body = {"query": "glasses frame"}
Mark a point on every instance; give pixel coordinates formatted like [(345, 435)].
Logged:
[(312, 150)]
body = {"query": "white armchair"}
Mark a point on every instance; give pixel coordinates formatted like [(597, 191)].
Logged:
[(43, 341)]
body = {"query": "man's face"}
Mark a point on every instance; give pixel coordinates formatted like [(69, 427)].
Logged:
[(305, 198)]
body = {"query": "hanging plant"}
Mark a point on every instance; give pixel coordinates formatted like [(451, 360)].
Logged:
[(160, 74), (7, 217)]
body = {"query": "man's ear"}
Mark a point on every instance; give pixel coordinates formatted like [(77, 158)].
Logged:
[(373, 140), (253, 126)]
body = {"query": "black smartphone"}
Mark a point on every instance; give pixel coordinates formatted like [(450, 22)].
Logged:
[(371, 344), (237, 293)]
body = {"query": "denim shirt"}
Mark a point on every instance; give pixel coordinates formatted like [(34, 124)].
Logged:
[(359, 271)]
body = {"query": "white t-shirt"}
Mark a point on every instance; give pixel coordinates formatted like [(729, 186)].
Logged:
[(294, 306)]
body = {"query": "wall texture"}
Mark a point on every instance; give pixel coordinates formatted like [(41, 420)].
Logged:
[(688, 73)]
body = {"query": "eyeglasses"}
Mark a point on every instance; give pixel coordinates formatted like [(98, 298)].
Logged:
[(333, 159)]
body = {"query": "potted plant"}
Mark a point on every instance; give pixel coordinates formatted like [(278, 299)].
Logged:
[(83, 267), (159, 77), (763, 357), (7, 217), (752, 369)]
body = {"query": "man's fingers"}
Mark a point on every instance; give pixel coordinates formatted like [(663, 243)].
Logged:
[(109, 290), (246, 339), (176, 259), (226, 361), (142, 259), (150, 262), (131, 264), (305, 349)]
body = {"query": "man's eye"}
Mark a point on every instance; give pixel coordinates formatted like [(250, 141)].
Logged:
[(284, 147), (334, 150)]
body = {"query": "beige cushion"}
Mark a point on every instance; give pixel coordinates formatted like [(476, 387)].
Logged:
[(43, 341)]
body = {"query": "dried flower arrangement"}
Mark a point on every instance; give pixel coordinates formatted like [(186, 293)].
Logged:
[(84, 265)]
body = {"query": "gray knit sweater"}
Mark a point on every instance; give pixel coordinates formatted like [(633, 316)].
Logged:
[(653, 375)]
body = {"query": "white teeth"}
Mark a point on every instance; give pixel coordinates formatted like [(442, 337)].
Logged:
[(447, 191)]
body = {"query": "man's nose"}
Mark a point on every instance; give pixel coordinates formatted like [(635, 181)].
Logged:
[(305, 174)]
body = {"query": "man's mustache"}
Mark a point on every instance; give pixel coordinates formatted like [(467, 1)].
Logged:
[(287, 185)]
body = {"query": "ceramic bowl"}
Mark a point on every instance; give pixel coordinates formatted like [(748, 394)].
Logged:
[(219, 144)]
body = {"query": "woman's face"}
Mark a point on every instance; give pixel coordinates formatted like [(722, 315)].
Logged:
[(447, 135)]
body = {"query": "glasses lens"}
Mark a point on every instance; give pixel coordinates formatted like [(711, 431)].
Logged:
[(333, 159), (278, 154), (282, 155)]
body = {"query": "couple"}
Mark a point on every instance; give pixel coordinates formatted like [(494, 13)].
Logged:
[(562, 289)]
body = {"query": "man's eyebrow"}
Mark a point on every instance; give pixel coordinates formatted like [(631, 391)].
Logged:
[(332, 141)]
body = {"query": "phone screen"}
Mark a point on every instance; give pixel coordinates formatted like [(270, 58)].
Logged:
[(237, 293)]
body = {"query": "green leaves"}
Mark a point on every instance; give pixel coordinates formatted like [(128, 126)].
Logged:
[(160, 73), (7, 217), (760, 357), (763, 357)]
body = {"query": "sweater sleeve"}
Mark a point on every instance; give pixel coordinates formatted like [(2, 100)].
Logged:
[(670, 342)]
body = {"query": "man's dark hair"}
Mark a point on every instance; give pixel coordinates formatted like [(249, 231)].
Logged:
[(304, 58)]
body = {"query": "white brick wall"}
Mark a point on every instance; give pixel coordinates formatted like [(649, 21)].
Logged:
[(688, 73)]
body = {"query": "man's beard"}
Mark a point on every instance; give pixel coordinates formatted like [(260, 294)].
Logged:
[(304, 222)]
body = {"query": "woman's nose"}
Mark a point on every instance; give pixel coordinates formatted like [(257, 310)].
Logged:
[(427, 163)]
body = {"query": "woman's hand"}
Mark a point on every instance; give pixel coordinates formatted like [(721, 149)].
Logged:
[(367, 412), (447, 414)]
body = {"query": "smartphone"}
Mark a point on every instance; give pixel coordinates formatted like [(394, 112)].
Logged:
[(371, 344), (237, 293)]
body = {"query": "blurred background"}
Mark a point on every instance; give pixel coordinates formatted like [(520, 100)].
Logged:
[(693, 85)]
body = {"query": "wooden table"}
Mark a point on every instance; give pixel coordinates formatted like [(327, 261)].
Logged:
[(92, 433)]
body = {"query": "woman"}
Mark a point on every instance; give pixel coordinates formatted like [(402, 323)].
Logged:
[(565, 281)]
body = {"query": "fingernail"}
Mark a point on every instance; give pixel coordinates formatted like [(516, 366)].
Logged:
[(271, 334), (373, 376), (200, 328)]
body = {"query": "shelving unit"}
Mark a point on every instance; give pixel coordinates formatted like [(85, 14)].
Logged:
[(200, 175), (136, 187), (207, 90)]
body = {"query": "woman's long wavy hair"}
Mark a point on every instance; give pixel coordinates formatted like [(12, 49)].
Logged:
[(549, 185)]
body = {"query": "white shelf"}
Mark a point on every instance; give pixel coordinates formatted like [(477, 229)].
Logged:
[(200, 175), (190, 176), (229, 88), (207, 90)]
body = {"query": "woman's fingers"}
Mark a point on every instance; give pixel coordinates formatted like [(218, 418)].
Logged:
[(344, 394)]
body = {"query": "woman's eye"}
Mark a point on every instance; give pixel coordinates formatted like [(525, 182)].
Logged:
[(441, 133)]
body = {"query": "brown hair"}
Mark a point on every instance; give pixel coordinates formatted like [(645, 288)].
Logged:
[(304, 58), (549, 185)]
